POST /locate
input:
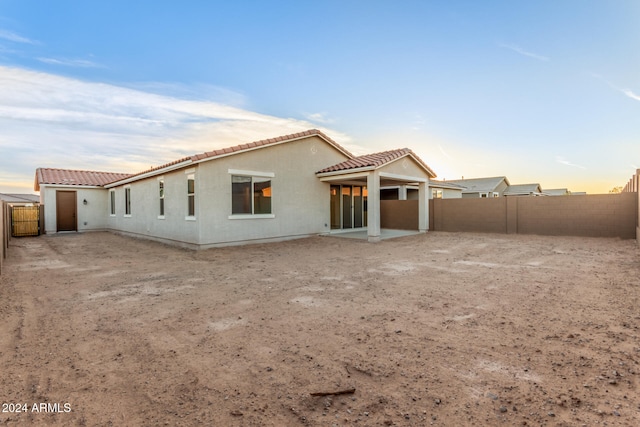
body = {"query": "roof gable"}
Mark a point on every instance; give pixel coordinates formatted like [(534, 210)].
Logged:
[(377, 160), (237, 149)]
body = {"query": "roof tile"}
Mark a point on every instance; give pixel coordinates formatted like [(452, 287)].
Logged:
[(76, 177), (376, 160)]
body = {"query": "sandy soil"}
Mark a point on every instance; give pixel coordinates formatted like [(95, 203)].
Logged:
[(444, 329)]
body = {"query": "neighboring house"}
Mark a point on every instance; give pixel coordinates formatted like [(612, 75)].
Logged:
[(482, 187), (20, 199), (524, 190), (557, 192), (281, 188), (445, 190)]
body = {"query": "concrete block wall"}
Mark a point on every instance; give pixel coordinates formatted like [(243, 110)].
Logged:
[(601, 215), (471, 215), (604, 215), (399, 214), (5, 231)]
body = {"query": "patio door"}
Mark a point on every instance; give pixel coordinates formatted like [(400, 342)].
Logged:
[(348, 206)]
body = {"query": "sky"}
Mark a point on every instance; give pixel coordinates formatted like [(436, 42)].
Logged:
[(544, 91)]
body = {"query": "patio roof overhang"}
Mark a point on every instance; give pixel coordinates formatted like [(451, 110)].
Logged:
[(360, 176)]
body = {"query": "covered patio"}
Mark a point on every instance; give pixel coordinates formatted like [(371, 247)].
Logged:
[(385, 233), (355, 189)]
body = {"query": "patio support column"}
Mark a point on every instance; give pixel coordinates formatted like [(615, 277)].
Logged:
[(423, 207), (402, 192), (373, 206)]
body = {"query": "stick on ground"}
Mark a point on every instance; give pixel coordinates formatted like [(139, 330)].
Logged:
[(333, 393)]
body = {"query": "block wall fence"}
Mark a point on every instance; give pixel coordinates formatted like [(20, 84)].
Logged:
[(4, 233), (633, 186), (600, 215)]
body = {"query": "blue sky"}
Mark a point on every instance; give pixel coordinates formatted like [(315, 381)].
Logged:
[(538, 91)]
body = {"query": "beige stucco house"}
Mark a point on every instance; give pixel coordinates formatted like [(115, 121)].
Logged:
[(275, 189)]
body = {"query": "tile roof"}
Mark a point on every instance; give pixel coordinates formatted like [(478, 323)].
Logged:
[(269, 141), (376, 160), (246, 147), (444, 184), (481, 185), (523, 189), (19, 198), (75, 177)]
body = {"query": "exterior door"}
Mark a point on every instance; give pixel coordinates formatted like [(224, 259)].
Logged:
[(66, 215), (348, 206)]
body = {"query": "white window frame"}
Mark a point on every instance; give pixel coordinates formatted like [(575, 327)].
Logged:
[(127, 201), (191, 175), (112, 202), (161, 204)]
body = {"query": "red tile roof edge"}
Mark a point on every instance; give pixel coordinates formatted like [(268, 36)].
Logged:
[(376, 160), (245, 147), (75, 177)]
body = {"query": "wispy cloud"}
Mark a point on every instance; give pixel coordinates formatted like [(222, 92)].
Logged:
[(444, 153), (13, 37), (562, 161), (319, 118), (630, 94), (82, 63), (521, 51), (626, 92), (107, 127)]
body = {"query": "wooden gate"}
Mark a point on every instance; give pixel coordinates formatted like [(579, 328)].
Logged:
[(25, 221)]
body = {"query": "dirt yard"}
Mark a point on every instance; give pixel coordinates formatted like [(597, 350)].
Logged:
[(440, 329)]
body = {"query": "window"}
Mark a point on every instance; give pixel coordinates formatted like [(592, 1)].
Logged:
[(161, 196), (112, 202), (250, 195), (127, 201), (191, 195), (437, 194)]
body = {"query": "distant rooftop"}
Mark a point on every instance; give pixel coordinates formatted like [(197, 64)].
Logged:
[(19, 198)]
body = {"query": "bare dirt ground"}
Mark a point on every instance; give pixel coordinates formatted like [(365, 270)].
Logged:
[(440, 329)]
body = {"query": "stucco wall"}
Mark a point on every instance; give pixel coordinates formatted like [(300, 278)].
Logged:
[(144, 219), (90, 217), (300, 201), (604, 215), (404, 166)]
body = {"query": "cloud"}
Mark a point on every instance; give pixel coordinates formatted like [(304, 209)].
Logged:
[(13, 37), (53, 121), (562, 161), (83, 63), (521, 51), (318, 118), (631, 94), (627, 92), (444, 153)]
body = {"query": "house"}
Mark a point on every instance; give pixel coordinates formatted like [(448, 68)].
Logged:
[(557, 192), (524, 190), (482, 187), (275, 189), (20, 199), (445, 190)]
